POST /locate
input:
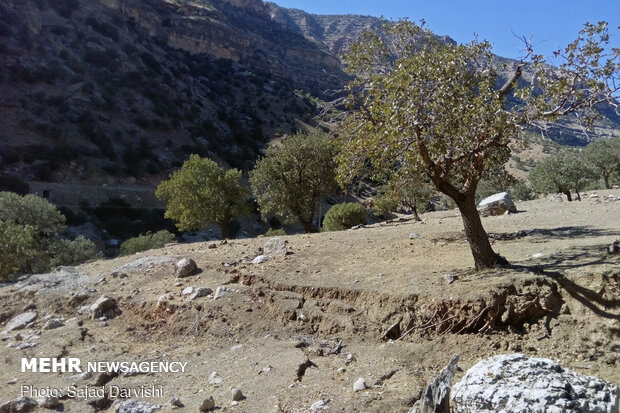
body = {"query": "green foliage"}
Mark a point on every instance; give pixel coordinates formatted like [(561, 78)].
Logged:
[(604, 156), (202, 193), (293, 177), (562, 172), (425, 106), (384, 205), (33, 211), (344, 216), (275, 232), (29, 235), (146, 242), (71, 252)]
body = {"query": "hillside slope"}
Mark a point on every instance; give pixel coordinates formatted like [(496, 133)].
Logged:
[(303, 327)]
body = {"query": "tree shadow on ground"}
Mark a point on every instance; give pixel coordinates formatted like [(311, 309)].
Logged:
[(541, 234), (576, 257)]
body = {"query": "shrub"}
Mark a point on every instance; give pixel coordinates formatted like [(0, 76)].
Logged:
[(29, 228), (383, 206), (273, 232), (71, 252), (344, 216), (146, 242)]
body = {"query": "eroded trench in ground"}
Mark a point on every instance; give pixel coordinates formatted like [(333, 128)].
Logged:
[(257, 305)]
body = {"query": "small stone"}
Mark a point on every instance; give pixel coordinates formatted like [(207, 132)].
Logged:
[(614, 248), (185, 267), (415, 235), (222, 291), (260, 259), (20, 321), (187, 291), (208, 404), (538, 255), (359, 385), (175, 402), (136, 406), (341, 370), (214, 379), (48, 402), (237, 347), (350, 358), (449, 278), (212, 246), (52, 324), (320, 405), (200, 292), (237, 395)]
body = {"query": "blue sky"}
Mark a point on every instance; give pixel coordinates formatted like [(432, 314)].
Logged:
[(551, 23)]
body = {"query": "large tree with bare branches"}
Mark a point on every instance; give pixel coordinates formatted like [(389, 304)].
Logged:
[(420, 104)]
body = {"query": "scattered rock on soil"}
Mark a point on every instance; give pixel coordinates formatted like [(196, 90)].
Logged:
[(436, 397), (614, 247), (518, 383), (497, 204)]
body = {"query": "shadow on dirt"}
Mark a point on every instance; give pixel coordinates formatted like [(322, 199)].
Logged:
[(541, 234), (577, 257)]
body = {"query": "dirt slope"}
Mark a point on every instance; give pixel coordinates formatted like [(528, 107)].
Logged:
[(300, 328)]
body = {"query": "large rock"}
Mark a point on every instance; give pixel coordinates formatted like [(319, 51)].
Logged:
[(22, 320), (21, 405), (185, 267), (496, 204), (518, 383), (436, 396), (104, 307), (274, 247)]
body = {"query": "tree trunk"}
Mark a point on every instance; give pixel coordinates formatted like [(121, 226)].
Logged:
[(224, 230), (606, 178), (570, 198), (578, 196), (307, 225), (484, 256), (416, 217)]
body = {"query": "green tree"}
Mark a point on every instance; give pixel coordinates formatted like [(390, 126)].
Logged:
[(561, 172), (203, 193), (29, 237), (428, 106), (604, 156), (293, 177)]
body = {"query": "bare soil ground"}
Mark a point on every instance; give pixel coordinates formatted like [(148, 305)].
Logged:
[(304, 327)]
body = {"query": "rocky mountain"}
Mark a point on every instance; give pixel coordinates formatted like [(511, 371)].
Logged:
[(121, 91)]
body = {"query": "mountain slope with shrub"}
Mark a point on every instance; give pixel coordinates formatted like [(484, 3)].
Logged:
[(122, 91)]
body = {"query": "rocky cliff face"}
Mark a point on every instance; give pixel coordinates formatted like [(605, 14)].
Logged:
[(121, 91)]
